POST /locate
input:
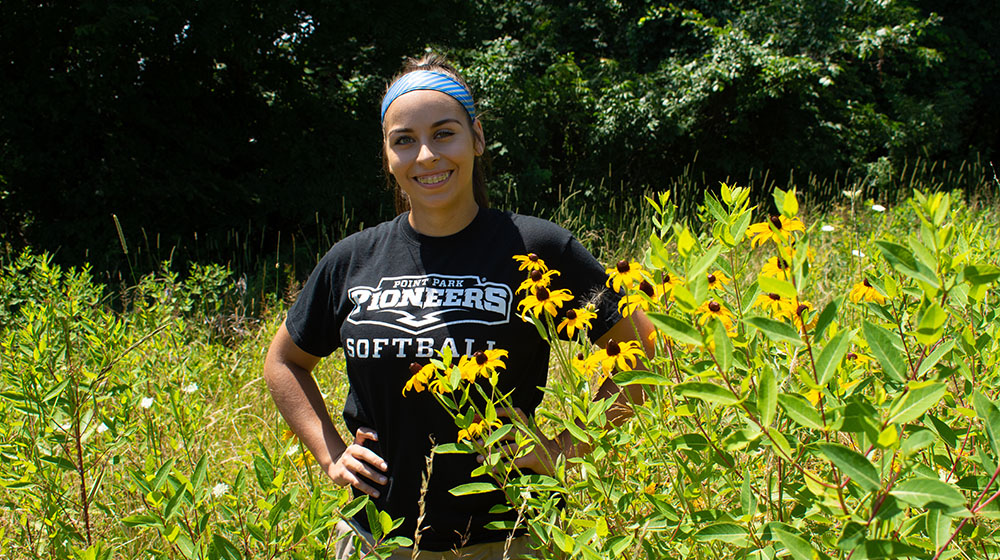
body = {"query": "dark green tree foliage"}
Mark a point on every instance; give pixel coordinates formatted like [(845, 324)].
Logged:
[(250, 118)]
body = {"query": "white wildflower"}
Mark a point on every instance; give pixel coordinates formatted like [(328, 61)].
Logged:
[(146, 402), (220, 489), (190, 388), (827, 228), (292, 450), (852, 194), (102, 428), (878, 208), (857, 253)]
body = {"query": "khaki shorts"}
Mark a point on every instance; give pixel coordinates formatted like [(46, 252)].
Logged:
[(485, 551)]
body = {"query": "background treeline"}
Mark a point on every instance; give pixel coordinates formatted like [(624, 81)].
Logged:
[(212, 126)]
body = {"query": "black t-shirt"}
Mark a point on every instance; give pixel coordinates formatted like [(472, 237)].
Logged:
[(391, 297)]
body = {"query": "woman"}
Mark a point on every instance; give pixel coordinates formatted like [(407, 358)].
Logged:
[(393, 296)]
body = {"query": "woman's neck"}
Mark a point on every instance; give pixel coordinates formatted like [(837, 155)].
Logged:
[(440, 224)]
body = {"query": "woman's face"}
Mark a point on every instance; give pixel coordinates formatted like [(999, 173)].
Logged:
[(431, 150)]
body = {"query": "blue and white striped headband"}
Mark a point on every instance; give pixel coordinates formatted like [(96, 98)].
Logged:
[(426, 79)]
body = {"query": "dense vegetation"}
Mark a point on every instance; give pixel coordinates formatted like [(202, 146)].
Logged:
[(208, 128), (842, 405)]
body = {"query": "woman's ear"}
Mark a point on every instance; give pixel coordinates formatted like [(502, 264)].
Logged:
[(479, 139)]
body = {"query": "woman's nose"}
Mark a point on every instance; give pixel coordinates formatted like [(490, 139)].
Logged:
[(426, 156)]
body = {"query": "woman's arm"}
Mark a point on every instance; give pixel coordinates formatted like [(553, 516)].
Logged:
[(288, 372)]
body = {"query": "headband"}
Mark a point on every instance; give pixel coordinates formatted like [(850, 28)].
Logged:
[(426, 79)]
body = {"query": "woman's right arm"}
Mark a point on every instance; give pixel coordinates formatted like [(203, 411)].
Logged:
[(288, 373)]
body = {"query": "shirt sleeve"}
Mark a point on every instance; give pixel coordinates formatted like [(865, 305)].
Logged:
[(586, 278), (313, 321)]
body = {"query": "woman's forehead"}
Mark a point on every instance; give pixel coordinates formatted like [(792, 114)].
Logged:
[(423, 107)]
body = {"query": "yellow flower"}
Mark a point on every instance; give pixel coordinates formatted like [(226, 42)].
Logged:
[(481, 364), (303, 458), (621, 355), (717, 279), (537, 279), (530, 262), (778, 228), (576, 319), (624, 275), (776, 267), (864, 291), (715, 310), (583, 365), (628, 304), (542, 300), (420, 377), (476, 429), (774, 304), (798, 312), (666, 288)]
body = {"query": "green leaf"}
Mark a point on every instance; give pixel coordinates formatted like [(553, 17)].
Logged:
[(781, 442), (775, 330), (707, 392), (922, 491), (932, 360), (141, 521), (676, 329), (200, 471), (916, 401), (354, 506), (888, 355), (831, 356), (991, 419), (767, 392), (161, 474), (931, 320), (723, 347), (878, 549), (799, 548), (171, 508), (980, 273), (725, 532), (799, 409), (371, 512), (902, 260), (852, 464), (448, 448), (472, 488), (826, 317), (783, 288), (639, 377), (938, 525), (225, 549), (700, 266)]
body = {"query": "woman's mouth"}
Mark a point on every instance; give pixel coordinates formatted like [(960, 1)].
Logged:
[(434, 179)]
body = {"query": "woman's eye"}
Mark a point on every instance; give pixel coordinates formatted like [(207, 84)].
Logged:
[(403, 140), (444, 133)]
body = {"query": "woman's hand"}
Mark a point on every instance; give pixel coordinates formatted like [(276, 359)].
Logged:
[(357, 461), (542, 458)]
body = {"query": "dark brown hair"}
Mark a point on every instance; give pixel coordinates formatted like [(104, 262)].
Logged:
[(435, 63)]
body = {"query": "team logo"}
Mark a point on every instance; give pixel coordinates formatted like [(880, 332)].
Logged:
[(418, 304)]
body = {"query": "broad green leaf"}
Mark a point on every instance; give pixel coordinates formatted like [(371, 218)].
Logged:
[(879, 549), (639, 377), (723, 347), (779, 441), (472, 488), (922, 491), (799, 409), (447, 448), (725, 532), (200, 471), (888, 355), (225, 550), (980, 274), (852, 464), (831, 356), (707, 392), (799, 548), (929, 328), (991, 419), (676, 329), (775, 330), (916, 401), (932, 360), (767, 392), (783, 288), (748, 500), (852, 535), (141, 521), (902, 259), (371, 512), (354, 506), (701, 266), (938, 525)]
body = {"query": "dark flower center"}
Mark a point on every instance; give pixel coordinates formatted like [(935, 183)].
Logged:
[(541, 294), (802, 308), (782, 263), (612, 348), (865, 282), (774, 296), (480, 357), (646, 288), (414, 368), (571, 314), (776, 220), (532, 257), (852, 356), (714, 306), (535, 275), (711, 278), (622, 267), (580, 356)]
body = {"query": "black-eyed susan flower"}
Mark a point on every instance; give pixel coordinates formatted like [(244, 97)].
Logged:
[(664, 291), (864, 291), (802, 315), (420, 377), (623, 356), (481, 364), (530, 262), (776, 267), (632, 301), (576, 319), (537, 279), (543, 300), (584, 365), (624, 275), (717, 279), (476, 429), (774, 304), (777, 228), (713, 309)]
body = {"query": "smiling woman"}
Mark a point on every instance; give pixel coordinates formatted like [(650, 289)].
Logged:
[(438, 279)]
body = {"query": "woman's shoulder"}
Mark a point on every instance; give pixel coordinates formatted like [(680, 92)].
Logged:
[(365, 241), (533, 227)]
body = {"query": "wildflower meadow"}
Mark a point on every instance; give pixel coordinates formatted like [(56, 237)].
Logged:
[(821, 384)]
